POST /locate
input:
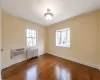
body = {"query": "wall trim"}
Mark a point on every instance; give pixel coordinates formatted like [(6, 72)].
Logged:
[(80, 62), (71, 59), (99, 68), (22, 61)]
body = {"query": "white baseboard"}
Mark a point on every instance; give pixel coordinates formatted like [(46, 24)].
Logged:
[(10, 64), (81, 62), (0, 75), (99, 67)]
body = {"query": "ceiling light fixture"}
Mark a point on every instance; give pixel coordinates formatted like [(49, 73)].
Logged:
[(48, 15)]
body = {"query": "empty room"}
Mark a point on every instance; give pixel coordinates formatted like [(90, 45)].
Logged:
[(49, 39)]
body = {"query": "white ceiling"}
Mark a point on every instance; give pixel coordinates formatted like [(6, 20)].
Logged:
[(34, 10)]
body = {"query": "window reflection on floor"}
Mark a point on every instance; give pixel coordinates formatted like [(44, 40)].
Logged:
[(62, 73), (32, 73)]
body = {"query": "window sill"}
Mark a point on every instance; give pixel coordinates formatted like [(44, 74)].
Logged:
[(62, 46), (31, 47)]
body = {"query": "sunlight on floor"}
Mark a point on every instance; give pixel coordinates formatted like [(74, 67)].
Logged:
[(62, 73), (32, 73)]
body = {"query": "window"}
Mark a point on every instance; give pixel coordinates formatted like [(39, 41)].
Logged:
[(63, 37), (31, 37)]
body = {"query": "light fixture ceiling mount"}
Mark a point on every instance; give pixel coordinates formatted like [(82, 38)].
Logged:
[(48, 15)]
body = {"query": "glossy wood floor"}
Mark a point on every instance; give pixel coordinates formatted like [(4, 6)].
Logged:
[(48, 67)]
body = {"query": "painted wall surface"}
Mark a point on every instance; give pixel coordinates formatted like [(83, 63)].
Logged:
[(0, 44), (98, 43), (14, 37), (84, 37), (99, 37)]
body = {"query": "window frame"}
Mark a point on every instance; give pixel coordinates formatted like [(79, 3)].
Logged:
[(60, 45), (32, 37)]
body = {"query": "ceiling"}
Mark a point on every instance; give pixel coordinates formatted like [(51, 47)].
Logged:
[(34, 10)]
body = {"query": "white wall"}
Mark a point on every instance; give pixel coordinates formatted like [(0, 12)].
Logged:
[(14, 36), (84, 37)]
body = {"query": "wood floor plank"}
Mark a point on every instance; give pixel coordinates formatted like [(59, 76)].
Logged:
[(49, 67)]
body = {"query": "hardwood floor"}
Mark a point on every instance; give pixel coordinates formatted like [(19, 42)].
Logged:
[(48, 67)]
